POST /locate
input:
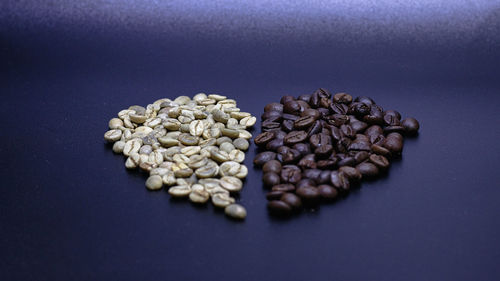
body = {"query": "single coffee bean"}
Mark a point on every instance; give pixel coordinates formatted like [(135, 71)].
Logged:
[(315, 128), (290, 174), (305, 182), (311, 174), (231, 184), (394, 145), (309, 194), (241, 144), (365, 100), (352, 173), (347, 161), (367, 169), (326, 164), (287, 125), (340, 181), (391, 120), (342, 98), (295, 137), (327, 192), (274, 106), (361, 156), (270, 125), (271, 179), (272, 166), (374, 130), (339, 108), (274, 195), (393, 113), (263, 157), (311, 112), (287, 116), (359, 126), (394, 129), (305, 97), (324, 177), (323, 151), (279, 208), (303, 148), (222, 200), (199, 196), (154, 182), (410, 125), (235, 211), (377, 149), (291, 107), (113, 135), (272, 116), (285, 187), (292, 200), (380, 161), (303, 122), (308, 162), (275, 144)]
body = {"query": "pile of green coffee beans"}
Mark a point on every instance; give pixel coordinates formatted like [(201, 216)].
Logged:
[(193, 146)]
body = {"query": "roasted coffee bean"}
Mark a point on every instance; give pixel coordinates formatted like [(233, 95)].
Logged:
[(263, 138), (285, 99), (323, 151), (365, 100), (309, 194), (308, 162), (286, 187), (381, 150), (410, 125), (290, 174), (361, 156), (391, 120), (292, 107), (292, 117), (393, 113), (359, 126), (324, 141), (324, 177), (359, 109), (394, 145), (360, 145), (295, 137), (352, 173), (263, 157), (380, 161), (274, 195), (279, 208), (311, 112), (367, 169), (291, 156), (340, 181), (394, 129), (348, 161), (303, 122), (315, 128), (311, 174), (326, 164), (342, 98), (318, 140), (274, 106), (374, 130), (270, 125), (272, 116), (272, 166), (274, 144), (271, 179), (292, 200), (303, 148), (304, 97), (327, 192), (305, 182), (348, 131)]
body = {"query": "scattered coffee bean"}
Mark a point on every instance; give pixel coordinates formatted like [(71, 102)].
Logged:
[(236, 211)]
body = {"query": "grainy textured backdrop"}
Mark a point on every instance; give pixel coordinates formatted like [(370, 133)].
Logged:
[(70, 211)]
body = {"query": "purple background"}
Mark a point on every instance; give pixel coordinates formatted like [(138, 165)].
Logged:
[(70, 211)]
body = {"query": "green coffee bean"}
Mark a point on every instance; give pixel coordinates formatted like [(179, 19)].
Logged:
[(248, 121), (199, 196), (241, 143), (222, 200), (237, 155), (232, 184), (113, 135), (188, 139), (227, 147), (235, 211), (222, 140), (115, 123), (230, 133), (118, 146), (154, 182)]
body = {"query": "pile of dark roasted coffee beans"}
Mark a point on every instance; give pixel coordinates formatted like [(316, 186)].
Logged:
[(314, 148)]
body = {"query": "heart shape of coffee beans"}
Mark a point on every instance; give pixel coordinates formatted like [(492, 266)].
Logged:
[(194, 146), (315, 147)]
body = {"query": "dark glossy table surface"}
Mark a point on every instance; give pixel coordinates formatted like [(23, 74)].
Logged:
[(70, 211)]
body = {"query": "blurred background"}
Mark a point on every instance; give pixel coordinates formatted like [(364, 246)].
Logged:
[(70, 211)]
